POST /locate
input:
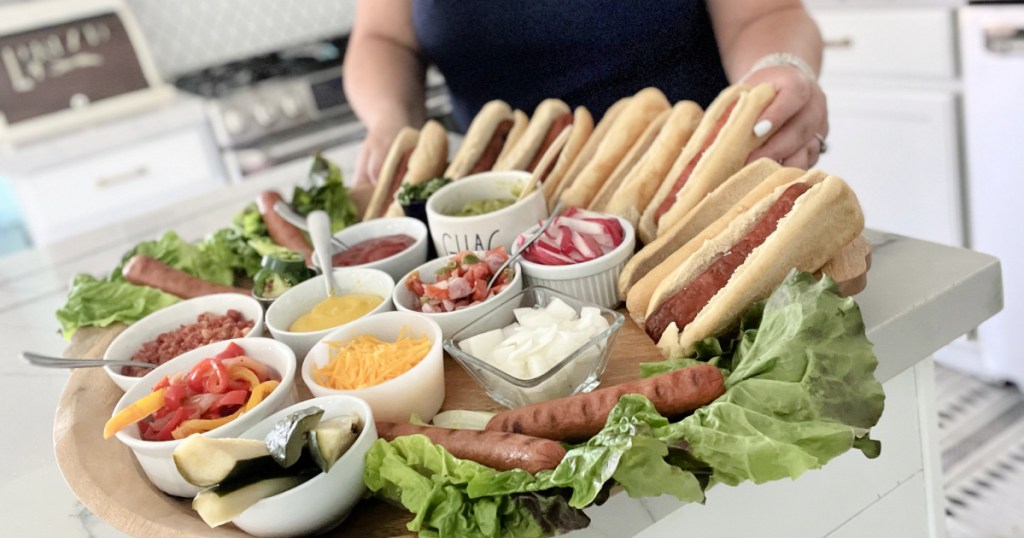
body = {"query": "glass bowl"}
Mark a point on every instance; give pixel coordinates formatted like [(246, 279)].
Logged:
[(578, 372)]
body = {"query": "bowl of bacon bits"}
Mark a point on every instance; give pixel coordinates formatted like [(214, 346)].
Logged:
[(453, 291), (217, 390), (184, 326), (581, 255)]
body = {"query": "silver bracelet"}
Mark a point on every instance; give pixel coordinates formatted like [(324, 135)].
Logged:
[(782, 58)]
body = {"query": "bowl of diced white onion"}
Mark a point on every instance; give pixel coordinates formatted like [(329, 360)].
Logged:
[(546, 346)]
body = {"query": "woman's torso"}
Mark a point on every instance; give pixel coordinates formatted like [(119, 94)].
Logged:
[(586, 52)]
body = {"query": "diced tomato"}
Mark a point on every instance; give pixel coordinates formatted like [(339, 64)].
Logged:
[(163, 383), (197, 375), (233, 350), (228, 403), (414, 284), (479, 290), (436, 291)]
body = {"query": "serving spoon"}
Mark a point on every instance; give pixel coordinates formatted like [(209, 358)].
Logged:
[(60, 362), (320, 232), (519, 251), (295, 219)]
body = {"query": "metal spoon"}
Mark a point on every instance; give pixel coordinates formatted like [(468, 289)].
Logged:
[(519, 251), (320, 232), (60, 362), (292, 217)]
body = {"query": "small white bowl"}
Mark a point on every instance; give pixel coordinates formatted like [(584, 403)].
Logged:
[(451, 322), (302, 298), (155, 456), (326, 499), (594, 281), (395, 265), (482, 232), (419, 391), (172, 317)]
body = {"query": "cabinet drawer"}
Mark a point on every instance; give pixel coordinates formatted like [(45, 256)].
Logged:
[(87, 193), (889, 42)]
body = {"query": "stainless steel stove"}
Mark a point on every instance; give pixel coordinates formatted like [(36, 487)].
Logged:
[(286, 105)]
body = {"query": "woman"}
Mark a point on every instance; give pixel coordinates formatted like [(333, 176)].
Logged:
[(586, 52)]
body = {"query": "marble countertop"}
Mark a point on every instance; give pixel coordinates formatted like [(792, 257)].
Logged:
[(920, 296)]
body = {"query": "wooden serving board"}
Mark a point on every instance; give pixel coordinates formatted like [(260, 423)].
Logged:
[(104, 475)]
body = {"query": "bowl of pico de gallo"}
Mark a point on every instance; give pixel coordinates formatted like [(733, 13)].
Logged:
[(452, 290), (217, 390)]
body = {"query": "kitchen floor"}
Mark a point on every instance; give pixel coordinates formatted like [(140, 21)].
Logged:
[(981, 431)]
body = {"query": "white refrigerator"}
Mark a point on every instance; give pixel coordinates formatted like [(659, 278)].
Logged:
[(992, 46)]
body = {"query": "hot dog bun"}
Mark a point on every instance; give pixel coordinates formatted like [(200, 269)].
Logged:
[(715, 152), (628, 125), (546, 123), (589, 149), (711, 208), (642, 181), (629, 161), (485, 139), (822, 220), (414, 157), (582, 128)]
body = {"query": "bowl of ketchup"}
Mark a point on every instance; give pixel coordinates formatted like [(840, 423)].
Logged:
[(395, 245)]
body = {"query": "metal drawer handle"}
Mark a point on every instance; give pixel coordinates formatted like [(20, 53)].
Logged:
[(105, 182), (1005, 40), (839, 43)]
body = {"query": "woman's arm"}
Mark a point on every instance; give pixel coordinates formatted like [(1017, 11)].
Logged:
[(748, 30), (384, 78)]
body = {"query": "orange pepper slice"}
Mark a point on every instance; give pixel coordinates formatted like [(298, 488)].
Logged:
[(142, 408), (259, 392)]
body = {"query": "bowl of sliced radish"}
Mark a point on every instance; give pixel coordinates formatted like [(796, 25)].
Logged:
[(581, 254)]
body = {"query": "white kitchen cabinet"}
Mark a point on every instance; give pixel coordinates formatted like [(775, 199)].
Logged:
[(890, 75), (898, 149), (105, 174)]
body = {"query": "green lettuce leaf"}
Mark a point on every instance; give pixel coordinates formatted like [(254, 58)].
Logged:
[(103, 302), (328, 194), (227, 247), (802, 389), (180, 254), (432, 484)]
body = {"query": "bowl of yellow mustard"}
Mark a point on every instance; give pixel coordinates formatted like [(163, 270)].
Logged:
[(305, 313)]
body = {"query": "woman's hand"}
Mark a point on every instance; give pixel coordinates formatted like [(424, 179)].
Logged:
[(793, 119), (372, 154)]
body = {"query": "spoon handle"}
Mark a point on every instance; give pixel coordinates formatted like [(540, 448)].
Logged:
[(59, 362), (291, 217), (517, 252)]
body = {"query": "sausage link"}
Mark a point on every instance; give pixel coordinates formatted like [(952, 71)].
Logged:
[(280, 230), (147, 271), (498, 450), (561, 122), (493, 149), (579, 417)]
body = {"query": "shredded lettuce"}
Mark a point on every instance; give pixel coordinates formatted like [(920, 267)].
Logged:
[(800, 390)]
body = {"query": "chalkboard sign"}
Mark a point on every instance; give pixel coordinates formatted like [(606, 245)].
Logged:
[(66, 66)]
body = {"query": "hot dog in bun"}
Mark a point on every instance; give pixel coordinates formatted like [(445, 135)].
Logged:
[(764, 172), (801, 225), (414, 157), (554, 180), (547, 122), (628, 162), (565, 176), (485, 139), (717, 150)]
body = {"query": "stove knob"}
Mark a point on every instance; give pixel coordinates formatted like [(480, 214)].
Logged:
[(263, 115), (290, 107), (234, 122)]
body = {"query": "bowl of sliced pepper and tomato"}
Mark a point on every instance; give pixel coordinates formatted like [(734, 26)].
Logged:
[(217, 390)]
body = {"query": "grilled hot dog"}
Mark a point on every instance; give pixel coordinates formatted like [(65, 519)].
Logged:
[(498, 450), (578, 417), (146, 271)]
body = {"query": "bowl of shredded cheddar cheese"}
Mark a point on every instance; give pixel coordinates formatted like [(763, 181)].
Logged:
[(392, 360)]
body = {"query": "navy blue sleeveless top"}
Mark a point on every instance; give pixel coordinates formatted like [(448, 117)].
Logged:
[(585, 52)]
